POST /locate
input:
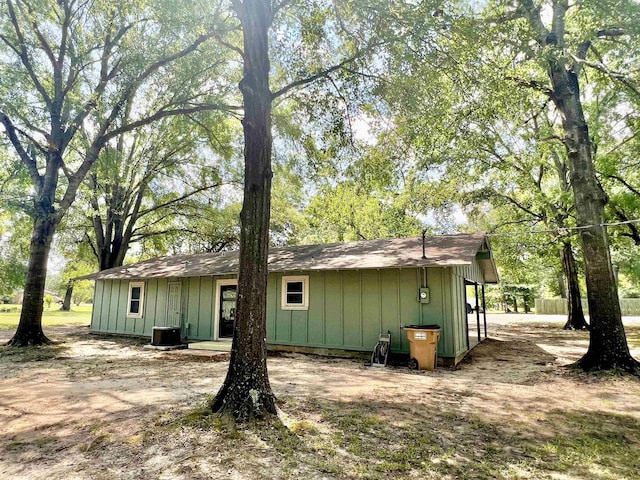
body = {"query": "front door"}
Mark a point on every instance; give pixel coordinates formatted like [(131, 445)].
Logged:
[(227, 313), (174, 300)]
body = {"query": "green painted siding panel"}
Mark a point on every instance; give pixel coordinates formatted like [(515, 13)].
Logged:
[(432, 313), (390, 307), (451, 334), (98, 300), (448, 342), (138, 325), (409, 305), (333, 309), (371, 306), (119, 319), (272, 306), (315, 318), (114, 310), (283, 326), (104, 310), (205, 307), (460, 318), (457, 322), (192, 301), (160, 318), (151, 303), (128, 323), (299, 327), (470, 272), (112, 321), (351, 307), (283, 317)]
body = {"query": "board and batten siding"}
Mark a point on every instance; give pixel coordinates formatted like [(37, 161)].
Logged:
[(471, 272), (109, 313), (459, 335), (198, 306), (348, 309)]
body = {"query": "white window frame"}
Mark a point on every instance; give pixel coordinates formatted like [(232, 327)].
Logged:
[(131, 314), (305, 292)]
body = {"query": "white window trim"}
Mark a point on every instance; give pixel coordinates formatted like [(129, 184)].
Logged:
[(305, 292), (132, 285)]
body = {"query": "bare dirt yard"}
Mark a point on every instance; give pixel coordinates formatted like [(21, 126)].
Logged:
[(97, 407)]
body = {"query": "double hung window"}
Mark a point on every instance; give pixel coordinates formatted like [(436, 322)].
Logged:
[(295, 292), (135, 301)]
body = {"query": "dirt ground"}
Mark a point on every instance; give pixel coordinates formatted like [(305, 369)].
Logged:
[(96, 407)]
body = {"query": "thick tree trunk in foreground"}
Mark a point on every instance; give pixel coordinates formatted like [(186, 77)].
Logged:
[(608, 344), (246, 393), (608, 348), (29, 330), (575, 317)]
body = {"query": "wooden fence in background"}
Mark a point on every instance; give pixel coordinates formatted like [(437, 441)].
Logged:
[(558, 306)]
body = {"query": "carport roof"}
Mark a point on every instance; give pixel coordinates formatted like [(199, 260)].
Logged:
[(440, 250)]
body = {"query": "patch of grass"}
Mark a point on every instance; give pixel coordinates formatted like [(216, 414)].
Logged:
[(379, 448), (281, 439), (599, 445), (32, 354), (379, 440), (324, 465), (138, 438), (97, 441), (79, 315), (272, 434), (17, 446), (604, 449), (303, 428), (201, 418)]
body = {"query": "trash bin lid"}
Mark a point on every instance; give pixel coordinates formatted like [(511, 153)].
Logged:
[(423, 327)]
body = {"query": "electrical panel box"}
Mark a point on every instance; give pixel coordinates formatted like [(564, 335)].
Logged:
[(423, 295)]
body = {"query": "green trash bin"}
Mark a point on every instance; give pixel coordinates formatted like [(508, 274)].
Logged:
[(423, 345)]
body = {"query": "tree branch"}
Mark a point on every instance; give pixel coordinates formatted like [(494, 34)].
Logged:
[(160, 115), (533, 14), (24, 56), (176, 200), (533, 84), (619, 76), (324, 73), (625, 183), (513, 201), (93, 248), (29, 162)]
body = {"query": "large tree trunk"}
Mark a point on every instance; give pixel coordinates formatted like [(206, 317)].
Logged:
[(575, 317), (246, 393), (29, 330), (608, 345), (66, 303), (562, 285)]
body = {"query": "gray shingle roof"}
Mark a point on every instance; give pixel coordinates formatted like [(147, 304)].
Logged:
[(440, 250)]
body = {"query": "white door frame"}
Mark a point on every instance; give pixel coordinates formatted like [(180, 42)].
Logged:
[(166, 318), (216, 312)]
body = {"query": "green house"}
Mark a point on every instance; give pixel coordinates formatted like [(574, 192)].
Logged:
[(321, 298)]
